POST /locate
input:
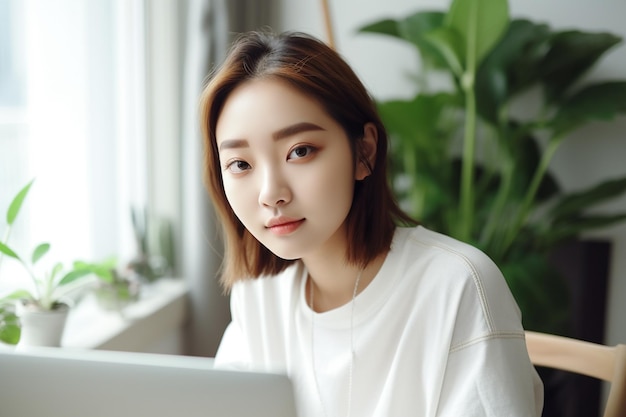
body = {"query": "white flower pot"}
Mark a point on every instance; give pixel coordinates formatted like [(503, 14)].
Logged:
[(41, 327)]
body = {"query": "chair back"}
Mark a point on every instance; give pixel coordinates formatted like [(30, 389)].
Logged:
[(607, 363)]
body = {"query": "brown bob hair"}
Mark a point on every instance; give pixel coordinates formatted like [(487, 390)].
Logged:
[(319, 72)]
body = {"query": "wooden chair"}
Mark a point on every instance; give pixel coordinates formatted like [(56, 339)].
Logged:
[(598, 361)]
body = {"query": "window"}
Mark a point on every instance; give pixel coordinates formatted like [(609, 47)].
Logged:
[(12, 105), (72, 116)]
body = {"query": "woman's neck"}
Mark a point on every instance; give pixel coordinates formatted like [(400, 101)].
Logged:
[(333, 279)]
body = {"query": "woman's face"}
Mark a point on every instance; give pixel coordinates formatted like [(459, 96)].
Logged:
[(287, 169)]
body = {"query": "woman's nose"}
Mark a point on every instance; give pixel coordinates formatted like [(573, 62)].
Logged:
[(274, 190)]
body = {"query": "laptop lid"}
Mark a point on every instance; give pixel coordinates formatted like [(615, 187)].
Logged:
[(55, 382)]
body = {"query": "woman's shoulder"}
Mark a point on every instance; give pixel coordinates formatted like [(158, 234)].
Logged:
[(420, 243), (447, 266)]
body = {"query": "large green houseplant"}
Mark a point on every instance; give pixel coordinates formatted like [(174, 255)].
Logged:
[(502, 198)]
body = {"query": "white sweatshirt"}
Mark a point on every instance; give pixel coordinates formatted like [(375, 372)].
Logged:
[(436, 333)]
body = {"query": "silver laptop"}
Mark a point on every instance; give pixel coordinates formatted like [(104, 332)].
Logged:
[(81, 383)]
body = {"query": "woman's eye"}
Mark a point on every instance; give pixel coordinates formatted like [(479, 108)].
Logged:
[(237, 166), (301, 152)]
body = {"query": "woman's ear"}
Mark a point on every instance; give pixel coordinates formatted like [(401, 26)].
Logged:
[(366, 152)]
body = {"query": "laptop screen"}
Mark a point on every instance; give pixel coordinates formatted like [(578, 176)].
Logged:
[(84, 383)]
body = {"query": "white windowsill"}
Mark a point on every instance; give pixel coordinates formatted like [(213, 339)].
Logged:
[(157, 316), (153, 324)]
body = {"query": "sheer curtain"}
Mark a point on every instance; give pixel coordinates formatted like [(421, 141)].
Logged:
[(69, 132), (99, 79), (210, 27)]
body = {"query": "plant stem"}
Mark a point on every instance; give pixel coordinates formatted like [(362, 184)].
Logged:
[(7, 234), (416, 193), (469, 142), (47, 292), (467, 170), (503, 133), (31, 274), (524, 211), (497, 212)]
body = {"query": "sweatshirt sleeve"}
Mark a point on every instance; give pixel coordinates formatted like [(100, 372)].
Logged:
[(488, 372), (491, 378)]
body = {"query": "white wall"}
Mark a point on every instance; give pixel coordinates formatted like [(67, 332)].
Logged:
[(594, 153)]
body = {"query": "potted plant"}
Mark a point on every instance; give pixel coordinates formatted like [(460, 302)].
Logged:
[(42, 309), (503, 198)]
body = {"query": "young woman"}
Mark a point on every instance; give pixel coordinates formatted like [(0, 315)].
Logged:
[(367, 316)]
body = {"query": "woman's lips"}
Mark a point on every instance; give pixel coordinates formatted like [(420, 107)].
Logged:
[(283, 227)]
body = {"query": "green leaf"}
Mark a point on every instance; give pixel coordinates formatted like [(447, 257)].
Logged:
[(526, 155), (16, 204), (58, 267), (39, 252), (404, 117), (524, 64), (10, 334), (73, 276), (10, 329), (8, 251), (410, 29), (415, 27), (601, 101), (480, 23), (570, 55), (576, 203), (520, 38), (383, 27), (448, 44), (511, 67), (103, 270), (419, 144), (415, 125), (18, 295), (574, 226), (492, 92)]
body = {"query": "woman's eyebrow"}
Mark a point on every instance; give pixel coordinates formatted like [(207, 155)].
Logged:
[(295, 129), (233, 143), (278, 135)]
